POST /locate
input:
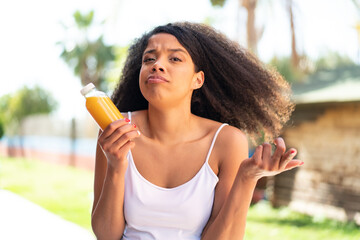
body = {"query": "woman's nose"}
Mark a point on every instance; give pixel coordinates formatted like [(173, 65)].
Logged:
[(158, 67)]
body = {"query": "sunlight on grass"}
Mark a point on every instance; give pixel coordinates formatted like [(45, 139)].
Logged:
[(65, 191), (265, 222)]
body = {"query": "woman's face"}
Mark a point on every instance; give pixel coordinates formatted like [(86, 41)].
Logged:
[(167, 75)]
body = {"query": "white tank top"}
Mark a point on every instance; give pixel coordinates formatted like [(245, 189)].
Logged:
[(157, 213)]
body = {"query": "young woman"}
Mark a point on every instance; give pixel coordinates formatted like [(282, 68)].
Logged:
[(177, 166)]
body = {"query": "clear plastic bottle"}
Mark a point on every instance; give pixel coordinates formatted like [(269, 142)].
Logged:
[(100, 106)]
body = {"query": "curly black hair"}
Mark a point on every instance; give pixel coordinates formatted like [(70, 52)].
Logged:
[(238, 89)]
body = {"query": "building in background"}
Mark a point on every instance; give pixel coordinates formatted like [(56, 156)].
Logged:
[(325, 128)]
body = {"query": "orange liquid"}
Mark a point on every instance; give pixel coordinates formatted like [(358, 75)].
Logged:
[(103, 110)]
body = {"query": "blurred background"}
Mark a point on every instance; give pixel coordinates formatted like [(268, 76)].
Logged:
[(50, 49)]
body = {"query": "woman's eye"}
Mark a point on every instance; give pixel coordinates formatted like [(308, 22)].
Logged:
[(148, 59), (176, 59)]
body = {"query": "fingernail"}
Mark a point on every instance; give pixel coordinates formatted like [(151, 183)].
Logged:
[(292, 151), (134, 125), (127, 120), (301, 163)]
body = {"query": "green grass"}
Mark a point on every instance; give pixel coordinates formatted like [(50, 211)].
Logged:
[(265, 222), (65, 191)]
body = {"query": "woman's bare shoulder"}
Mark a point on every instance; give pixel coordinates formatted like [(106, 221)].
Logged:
[(232, 143), (229, 140), (227, 135), (233, 137)]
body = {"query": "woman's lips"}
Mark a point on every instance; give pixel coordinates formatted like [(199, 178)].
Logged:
[(156, 79)]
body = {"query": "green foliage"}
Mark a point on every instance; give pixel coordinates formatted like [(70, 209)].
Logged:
[(332, 60), (4, 116), (113, 74), (329, 61), (219, 3), (29, 101), (287, 70), (2, 128), (89, 59), (14, 108), (83, 20)]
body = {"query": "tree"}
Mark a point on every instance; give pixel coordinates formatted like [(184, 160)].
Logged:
[(3, 104), (295, 59), (253, 35), (2, 128), (23, 103), (5, 118), (285, 67), (88, 58)]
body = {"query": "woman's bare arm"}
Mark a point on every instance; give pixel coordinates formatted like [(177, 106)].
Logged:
[(113, 145), (228, 218)]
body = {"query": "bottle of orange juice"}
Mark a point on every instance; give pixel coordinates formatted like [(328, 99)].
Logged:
[(100, 106)]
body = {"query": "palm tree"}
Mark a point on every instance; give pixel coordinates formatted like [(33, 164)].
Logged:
[(357, 25), (88, 58), (295, 59), (253, 35)]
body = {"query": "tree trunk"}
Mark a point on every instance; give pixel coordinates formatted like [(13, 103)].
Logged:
[(252, 38), (87, 77), (21, 138), (72, 159), (294, 54)]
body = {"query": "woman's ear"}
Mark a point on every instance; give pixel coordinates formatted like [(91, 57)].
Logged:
[(198, 80)]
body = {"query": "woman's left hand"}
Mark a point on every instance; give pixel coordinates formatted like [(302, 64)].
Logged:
[(263, 163)]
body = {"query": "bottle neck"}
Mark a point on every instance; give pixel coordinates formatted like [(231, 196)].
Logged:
[(95, 93)]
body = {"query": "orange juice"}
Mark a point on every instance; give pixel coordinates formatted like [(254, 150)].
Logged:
[(103, 110), (100, 106)]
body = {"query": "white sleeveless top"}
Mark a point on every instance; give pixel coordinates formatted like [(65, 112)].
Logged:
[(157, 213)]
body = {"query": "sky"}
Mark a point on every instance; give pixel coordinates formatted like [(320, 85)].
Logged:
[(29, 31)]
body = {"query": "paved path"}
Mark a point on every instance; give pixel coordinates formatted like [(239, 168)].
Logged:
[(21, 219)]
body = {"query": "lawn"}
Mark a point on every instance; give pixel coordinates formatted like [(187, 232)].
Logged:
[(67, 191), (265, 222)]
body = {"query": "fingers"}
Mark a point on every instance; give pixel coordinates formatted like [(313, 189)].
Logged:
[(276, 161), (118, 134), (120, 137), (257, 156), (293, 164), (287, 157), (263, 163), (271, 161), (113, 126), (266, 156), (279, 151)]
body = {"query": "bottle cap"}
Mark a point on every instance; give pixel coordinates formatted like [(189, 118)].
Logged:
[(85, 90)]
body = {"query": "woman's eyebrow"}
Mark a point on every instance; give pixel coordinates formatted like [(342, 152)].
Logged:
[(170, 50), (177, 50), (150, 51)]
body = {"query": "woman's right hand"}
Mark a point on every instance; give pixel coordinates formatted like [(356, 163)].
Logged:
[(264, 163), (116, 141)]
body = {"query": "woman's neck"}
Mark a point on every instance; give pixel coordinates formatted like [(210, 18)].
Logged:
[(169, 126)]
